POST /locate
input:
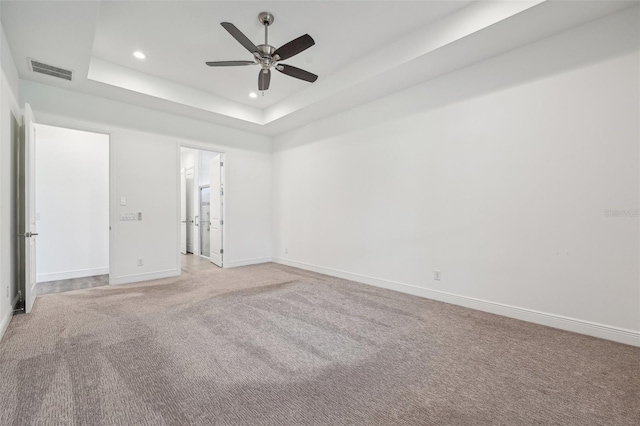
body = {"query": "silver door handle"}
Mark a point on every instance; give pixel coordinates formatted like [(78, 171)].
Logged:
[(28, 234)]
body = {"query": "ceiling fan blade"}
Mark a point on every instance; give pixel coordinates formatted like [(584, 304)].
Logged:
[(294, 47), (242, 39), (229, 63), (296, 72), (264, 78)]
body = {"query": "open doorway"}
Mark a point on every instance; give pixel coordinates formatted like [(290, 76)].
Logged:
[(201, 204), (71, 208)]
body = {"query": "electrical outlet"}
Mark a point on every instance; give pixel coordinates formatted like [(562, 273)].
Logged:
[(437, 275), (140, 262), (286, 251)]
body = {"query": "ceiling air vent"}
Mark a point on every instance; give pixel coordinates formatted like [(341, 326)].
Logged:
[(51, 70)]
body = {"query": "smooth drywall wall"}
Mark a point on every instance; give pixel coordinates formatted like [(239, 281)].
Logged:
[(72, 203), (145, 169), (145, 247), (502, 176), (10, 120)]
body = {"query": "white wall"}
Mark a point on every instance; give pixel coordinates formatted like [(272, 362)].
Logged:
[(9, 110), (188, 157), (72, 203), (498, 175), (205, 159), (145, 162), (150, 187)]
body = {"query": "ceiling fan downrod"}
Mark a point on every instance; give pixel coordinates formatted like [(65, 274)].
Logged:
[(266, 19)]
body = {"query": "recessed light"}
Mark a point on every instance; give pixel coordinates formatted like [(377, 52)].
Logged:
[(253, 95), (138, 54)]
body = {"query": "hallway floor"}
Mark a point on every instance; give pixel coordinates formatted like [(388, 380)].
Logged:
[(192, 263)]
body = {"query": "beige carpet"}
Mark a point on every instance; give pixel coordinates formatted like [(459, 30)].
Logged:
[(272, 345)]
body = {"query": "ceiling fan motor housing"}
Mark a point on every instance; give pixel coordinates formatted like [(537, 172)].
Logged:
[(266, 49), (267, 60)]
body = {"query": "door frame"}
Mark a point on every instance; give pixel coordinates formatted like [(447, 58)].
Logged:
[(201, 146)]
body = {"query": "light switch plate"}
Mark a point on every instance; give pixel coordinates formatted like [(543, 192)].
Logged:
[(128, 216)]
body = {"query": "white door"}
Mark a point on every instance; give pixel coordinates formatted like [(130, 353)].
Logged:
[(194, 198), (30, 231), (215, 235), (183, 212)]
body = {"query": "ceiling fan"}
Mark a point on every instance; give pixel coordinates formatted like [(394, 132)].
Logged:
[(268, 56)]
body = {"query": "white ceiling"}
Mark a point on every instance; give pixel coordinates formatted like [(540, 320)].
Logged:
[(179, 37), (364, 49)]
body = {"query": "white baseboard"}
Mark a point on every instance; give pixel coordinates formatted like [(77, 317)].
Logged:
[(246, 262), (4, 323), (128, 279), (66, 275), (616, 334)]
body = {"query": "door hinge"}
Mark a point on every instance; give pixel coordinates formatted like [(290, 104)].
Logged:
[(221, 251), (221, 163), (222, 192), (222, 222)]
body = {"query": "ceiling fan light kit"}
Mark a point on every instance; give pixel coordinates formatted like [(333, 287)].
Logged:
[(268, 56)]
